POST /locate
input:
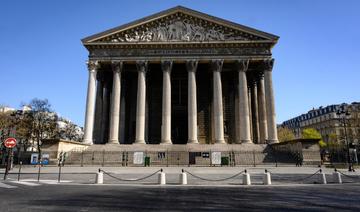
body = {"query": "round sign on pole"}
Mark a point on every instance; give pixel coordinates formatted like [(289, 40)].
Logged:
[(10, 142)]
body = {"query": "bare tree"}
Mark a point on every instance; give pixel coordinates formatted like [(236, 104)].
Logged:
[(68, 130), (24, 130), (44, 122)]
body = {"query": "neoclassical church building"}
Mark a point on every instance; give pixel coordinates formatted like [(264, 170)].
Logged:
[(180, 77)]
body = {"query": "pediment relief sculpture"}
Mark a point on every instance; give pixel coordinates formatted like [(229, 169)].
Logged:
[(179, 27)]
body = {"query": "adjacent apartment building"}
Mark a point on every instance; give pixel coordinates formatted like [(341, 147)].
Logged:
[(328, 123)]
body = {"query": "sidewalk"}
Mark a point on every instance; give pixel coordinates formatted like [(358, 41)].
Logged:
[(177, 169), (211, 176)]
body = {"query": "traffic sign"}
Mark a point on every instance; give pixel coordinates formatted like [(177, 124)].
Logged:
[(10, 142)]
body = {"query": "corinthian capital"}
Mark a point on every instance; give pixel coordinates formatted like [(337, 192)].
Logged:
[(217, 65), (191, 65), (117, 66), (268, 64), (242, 65), (92, 65), (142, 65), (166, 65)]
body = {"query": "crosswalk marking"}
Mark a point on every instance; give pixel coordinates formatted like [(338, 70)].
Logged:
[(3, 185)]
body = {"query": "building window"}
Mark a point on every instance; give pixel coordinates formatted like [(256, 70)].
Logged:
[(341, 132)]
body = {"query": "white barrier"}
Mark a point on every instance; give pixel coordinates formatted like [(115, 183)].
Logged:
[(246, 178), (337, 177), (322, 177), (161, 178), (183, 178), (100, 177), (267, 178)]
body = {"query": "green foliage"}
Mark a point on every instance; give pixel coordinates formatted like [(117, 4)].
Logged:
[(311, 133), (322, 144), (333, 138), (285, 134)]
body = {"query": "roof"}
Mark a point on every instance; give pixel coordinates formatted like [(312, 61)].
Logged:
[(188, 12)]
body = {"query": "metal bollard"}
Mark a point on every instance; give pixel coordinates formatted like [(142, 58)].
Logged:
[(337, 177), (246, 178), (183, 177), (322, 177), (39, 172), (100, 177), (267, 178), (161, 178), (19, 173)]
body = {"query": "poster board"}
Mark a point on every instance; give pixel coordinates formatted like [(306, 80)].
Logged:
[(216, 158), (34, 159), (138, 158)]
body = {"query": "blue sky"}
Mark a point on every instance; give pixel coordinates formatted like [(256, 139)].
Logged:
[(317, 56)]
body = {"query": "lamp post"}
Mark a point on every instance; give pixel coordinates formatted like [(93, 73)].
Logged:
[(343, 116)]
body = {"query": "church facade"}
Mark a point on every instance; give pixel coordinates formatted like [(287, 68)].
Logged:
[(180, 77)]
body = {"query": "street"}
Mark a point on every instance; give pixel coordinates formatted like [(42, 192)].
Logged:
[(75, 197)]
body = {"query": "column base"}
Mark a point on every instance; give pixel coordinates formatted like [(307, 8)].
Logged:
[(88, 141), (219, 141), (113, 142), (272, 141), (139, 142), (246, 141), (192, 141), (166, 142)]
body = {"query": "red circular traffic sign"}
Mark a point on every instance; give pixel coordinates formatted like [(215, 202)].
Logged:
[(10, 142)]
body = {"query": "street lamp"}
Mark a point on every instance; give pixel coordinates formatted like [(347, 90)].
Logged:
[(343, 116)]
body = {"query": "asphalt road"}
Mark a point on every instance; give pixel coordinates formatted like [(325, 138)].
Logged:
[(46, 197)]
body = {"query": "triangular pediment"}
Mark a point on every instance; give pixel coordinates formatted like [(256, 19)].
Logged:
[(179, 24)]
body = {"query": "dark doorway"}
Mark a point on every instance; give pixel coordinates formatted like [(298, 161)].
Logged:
[(179, 88), (179, 127)]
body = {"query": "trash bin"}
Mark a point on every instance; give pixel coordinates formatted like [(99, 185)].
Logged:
[(224, 161), (147, 161)]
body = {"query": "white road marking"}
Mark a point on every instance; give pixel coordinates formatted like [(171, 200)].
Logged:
[(25, 183), (3, 185), (51, 182)]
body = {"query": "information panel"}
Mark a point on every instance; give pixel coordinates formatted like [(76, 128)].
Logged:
[(138, 158), (216, 158)]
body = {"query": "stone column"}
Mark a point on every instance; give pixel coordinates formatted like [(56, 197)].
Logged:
[(262, 109), (250, 113), (191, 67), (90, 103), (270, 105), (243, 103), (115, 103), (254, 110), (217, 99), (166, 103), (141, 101)]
